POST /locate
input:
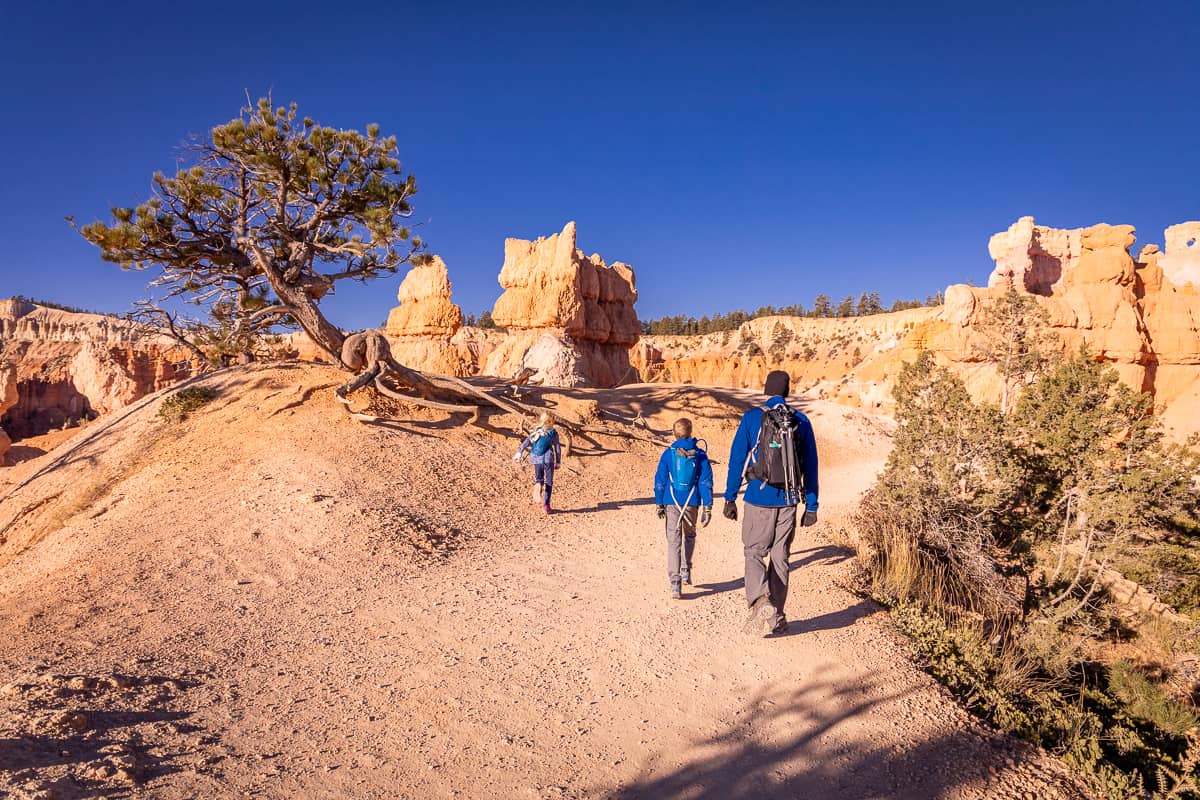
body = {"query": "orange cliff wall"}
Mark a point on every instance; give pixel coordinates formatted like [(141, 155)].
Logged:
[(1130, 312), (69, 366)]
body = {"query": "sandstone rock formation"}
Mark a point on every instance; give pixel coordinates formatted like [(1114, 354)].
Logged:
[(1031, 257), (8, 399), (421, 329), (1180, 260), (70, 366), (425, 307), (1128, 313), (554, 362), (587, 305), (1131, 313)]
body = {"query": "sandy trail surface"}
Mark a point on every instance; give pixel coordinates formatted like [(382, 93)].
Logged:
[(271, 600)]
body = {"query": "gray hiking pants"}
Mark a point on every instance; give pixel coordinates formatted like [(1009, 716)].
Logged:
[(767, 533), (681, 539)]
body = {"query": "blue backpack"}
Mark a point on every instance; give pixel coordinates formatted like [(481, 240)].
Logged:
[(685, 472), (540, 441)]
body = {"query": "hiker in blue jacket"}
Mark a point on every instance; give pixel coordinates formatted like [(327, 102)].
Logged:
[(683, 485), (782, 473), (545, 453)]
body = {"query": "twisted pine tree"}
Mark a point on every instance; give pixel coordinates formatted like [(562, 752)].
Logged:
[(272, 213)]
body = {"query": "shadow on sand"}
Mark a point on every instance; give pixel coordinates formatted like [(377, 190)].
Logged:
[(823, 555), (607, 505), (786, 744)]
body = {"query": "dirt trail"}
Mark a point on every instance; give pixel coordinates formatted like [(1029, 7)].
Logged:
[(269, 600)]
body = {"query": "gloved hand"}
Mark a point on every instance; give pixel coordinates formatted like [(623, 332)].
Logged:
[(730, 510), (517, 457), (705, 516), (660, 512), (809, 518)]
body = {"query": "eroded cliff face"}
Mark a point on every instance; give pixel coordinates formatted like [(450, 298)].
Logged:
[(821, 355), (1139, 315), (1127, 311), (69, 367)]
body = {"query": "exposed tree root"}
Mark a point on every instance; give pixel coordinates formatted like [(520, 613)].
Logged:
[(369, 353), (304, 398)]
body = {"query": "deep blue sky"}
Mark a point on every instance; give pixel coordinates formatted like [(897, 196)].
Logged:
[(736, 154)]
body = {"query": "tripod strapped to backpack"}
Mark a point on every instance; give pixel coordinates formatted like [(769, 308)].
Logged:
[(776, 460)]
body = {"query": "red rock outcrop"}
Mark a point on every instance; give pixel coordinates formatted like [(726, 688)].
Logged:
[(1032, 257), (1130, 313), (421, 329), (551, 287), (1180, 260), (70, 366), (8, 399), (425, 306)]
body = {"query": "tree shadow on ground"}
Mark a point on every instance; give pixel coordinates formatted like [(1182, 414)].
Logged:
[(843, 618), (786, 745), (607, 505), (31, 754), (822, 554), (825, 555), (72, 738)]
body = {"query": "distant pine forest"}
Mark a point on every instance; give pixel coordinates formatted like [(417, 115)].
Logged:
[(867, 304), (20, 298)]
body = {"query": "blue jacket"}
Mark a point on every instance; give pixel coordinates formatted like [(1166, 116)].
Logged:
[(663, 492), (744, 443), (552, 456)]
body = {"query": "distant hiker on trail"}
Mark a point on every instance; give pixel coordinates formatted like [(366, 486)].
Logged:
[(545, 453), (682, 484), (782, 472)]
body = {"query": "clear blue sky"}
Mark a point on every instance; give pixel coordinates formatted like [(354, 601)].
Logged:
[(737, 154)]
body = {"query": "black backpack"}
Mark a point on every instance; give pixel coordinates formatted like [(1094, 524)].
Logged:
[(777, 461)]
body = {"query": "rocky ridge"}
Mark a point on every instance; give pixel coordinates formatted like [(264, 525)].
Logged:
[(1141, 316), (8, 399), (68, 367)]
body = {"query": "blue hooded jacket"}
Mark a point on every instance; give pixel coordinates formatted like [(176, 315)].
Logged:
[(704, 478), (744, 443), (553, 454)]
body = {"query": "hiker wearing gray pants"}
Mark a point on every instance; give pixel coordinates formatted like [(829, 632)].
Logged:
[(683, 486), (775, 453), (767, 533), (681, 542)]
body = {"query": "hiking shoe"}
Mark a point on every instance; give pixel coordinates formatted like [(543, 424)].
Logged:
[(780, 625), (546, 507), (686, 577), (762, 617), (539, 493), (676, 591)]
